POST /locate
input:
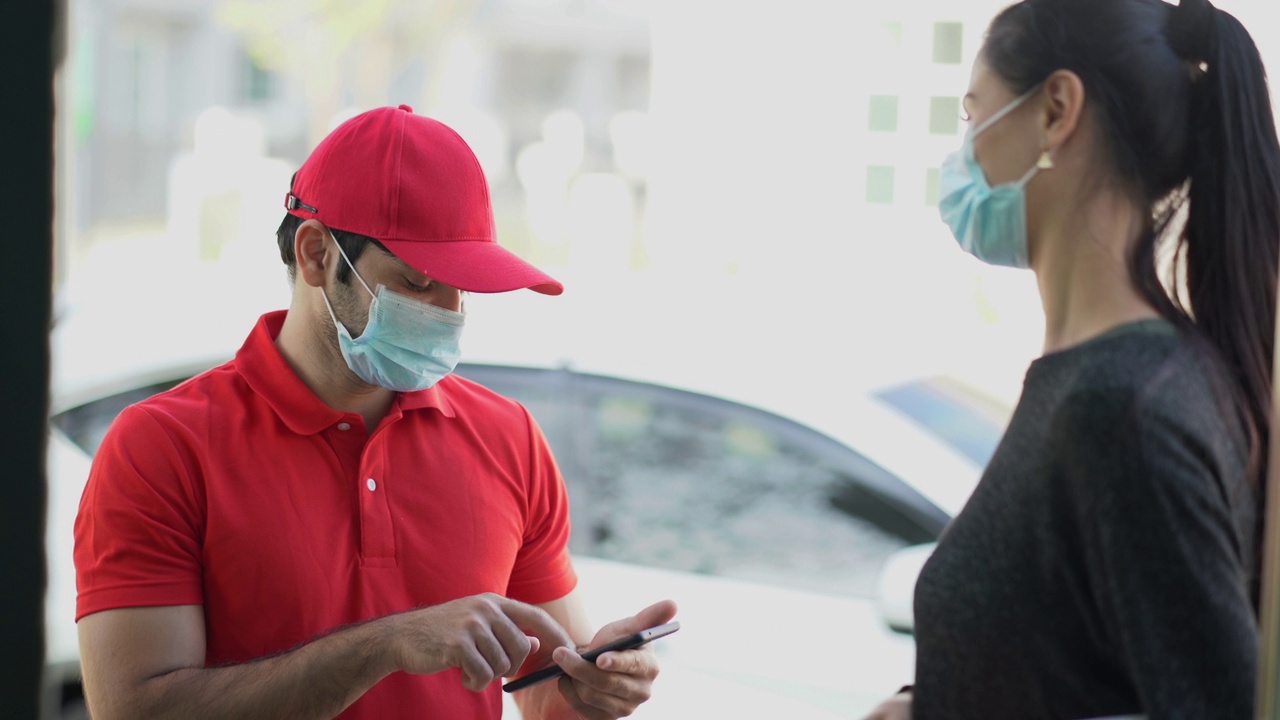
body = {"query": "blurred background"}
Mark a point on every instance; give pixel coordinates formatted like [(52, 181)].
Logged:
[(781, 155), (763, 168), (739, 195)]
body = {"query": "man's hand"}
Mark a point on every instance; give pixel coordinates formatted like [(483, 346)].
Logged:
[(618, 682), (897, 707), (487, 636), (149, 661)]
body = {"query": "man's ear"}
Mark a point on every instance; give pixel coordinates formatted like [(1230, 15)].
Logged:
[(1065, 96), (314, 252)]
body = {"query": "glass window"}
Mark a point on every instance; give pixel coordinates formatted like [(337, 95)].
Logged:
[(672, 479), (944, 115), (705, 491), (932, 186), (665, 478), (882, 115), (257, 82), (948, 42), (893, 31), (880, 184)]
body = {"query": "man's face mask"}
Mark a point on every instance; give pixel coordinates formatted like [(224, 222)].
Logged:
[(407, 345)]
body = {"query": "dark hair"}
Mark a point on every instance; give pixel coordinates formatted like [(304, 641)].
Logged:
[(351, 243), (1180, 97)]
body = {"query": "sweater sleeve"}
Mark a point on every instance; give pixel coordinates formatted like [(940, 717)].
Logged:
[(1149, 485)]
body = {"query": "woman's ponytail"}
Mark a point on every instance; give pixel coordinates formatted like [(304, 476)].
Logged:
[(1231, 240)]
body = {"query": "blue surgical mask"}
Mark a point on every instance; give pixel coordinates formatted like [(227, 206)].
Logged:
[(406, 346), (990, 223)]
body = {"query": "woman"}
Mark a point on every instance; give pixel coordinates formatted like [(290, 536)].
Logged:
[(1108, 562)]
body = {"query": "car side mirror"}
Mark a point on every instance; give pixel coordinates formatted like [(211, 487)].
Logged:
[(896, 587)]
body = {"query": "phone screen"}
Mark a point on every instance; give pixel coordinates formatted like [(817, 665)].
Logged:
[(634, 640)]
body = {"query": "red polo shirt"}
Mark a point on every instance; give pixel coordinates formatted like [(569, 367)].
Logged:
[(241, 491)]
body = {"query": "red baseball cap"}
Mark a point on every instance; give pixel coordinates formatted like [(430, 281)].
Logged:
[(415, 186)]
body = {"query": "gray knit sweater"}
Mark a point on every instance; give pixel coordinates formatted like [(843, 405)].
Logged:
[(1105, 563)]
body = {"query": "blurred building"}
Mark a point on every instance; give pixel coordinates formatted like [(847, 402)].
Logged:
[(154, 83), (819, 124), (702, 118)]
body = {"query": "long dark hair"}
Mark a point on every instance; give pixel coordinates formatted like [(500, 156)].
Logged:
[(1180, 96)]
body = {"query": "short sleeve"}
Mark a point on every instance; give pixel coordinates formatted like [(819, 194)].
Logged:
[(1162, 552), (138, 531), (543, 570)]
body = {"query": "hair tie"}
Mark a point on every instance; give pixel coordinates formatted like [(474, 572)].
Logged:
[(1192, 31)]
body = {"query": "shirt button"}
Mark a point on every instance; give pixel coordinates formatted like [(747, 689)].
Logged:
[(344, 426), (372, 485)]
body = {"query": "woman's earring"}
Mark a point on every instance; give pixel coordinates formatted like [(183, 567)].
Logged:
[(1045, 162)]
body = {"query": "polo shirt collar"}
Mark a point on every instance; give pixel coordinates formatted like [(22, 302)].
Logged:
[(433, 397), (260, 363)]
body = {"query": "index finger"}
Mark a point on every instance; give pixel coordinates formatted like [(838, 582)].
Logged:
[(536, 622)]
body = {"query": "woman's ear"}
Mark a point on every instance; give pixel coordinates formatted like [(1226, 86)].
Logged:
[(313, 251), (1064, 94)]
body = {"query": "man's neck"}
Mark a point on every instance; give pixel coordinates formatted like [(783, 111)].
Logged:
[(318, 362)]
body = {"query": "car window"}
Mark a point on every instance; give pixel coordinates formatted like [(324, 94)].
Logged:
[(672, 479), (666, 478), (86, 425)]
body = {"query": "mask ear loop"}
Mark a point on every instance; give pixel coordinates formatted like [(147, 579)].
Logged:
[(1005, 111), (341, 328), (975, 132), (1022, 182), (328, 306), (353, 267)]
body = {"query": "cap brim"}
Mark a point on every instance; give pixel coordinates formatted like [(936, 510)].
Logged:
[(473, 265)]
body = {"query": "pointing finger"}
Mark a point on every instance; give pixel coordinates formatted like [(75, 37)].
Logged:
[(535, 621)]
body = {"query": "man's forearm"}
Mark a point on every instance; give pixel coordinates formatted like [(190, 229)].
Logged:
[(317, 680)]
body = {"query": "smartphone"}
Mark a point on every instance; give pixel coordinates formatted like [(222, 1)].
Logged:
[(631, 641)]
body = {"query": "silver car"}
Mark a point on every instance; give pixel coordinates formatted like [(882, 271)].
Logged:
[(789, 536)]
